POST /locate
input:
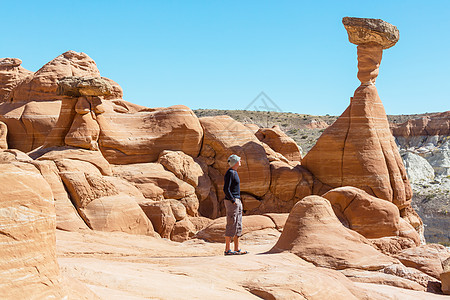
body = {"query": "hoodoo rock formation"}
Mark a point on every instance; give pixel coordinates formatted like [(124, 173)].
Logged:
[(11, 74), (95, 162), (358, 149)]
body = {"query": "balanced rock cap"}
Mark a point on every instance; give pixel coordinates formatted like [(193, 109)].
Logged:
[(10, 62), (76, 86), (362, 31)]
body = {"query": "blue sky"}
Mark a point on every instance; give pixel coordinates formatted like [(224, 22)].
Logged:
[(222, 54)]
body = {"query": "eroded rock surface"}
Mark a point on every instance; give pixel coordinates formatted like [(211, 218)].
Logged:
[(358, 149), (314, 233), (11, 74)]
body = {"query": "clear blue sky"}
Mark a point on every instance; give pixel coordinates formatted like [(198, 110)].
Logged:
[(222, 54)]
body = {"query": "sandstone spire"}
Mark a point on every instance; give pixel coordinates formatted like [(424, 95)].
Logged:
[(358, 149)]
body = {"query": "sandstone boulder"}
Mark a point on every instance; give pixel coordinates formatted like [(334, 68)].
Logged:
[(75, 86), (152, 178), (3, 136), (200, 222), (161, 215), (366, 214), (362, 31), (426, 258), (117, 213), (188, 170), (134, 134), (250, 203), (101, 205), (382, 279), (183, 230), (445, 276), (67, 217), (280, 142), (313, 232), (34, 106), (227, 136), (278, 219), (11, 74), (284, 180), (178, 209), (94, 158), (392, 245), (429, 283)]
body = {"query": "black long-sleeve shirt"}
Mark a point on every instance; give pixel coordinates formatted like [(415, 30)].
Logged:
[(231, 186)]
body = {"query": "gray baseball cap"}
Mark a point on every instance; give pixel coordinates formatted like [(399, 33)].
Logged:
[(233, 159)]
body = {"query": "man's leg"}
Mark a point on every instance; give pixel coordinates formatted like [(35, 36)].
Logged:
[(236, 243), (227, 243)]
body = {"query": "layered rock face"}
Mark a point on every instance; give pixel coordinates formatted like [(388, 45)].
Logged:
[(27, 218), (314, 233), (280, 142), (11, 74), (33, 106), (370, 216), (425, 149), (423, 132), (358, 149)]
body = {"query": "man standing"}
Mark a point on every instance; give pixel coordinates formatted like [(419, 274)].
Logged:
[(233, 205)]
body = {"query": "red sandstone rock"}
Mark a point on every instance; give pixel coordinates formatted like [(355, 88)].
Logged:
[(428, 282), (280, 142), (161, 215), (250, 203), (188, 170), (178, 209), (151, 179), (278, 219), (3, 135), (392, 245), (284, 180), (11, 74), (200, 222), (438, 124), (358, 149), (382, 279), (28, 262), (33, 105), (94, 158), (426, 258), (253, 127), (117, 213), (313, 232), (445, 276), (67, 217), (368, 215), (317, 124), (102, 207), (183, 230), (133, 134)]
